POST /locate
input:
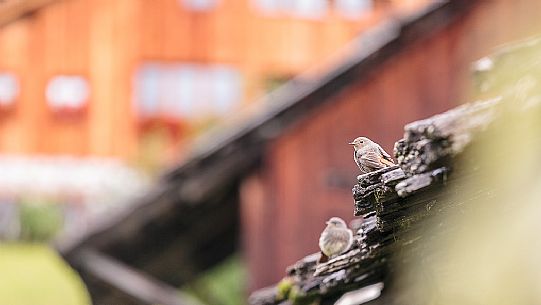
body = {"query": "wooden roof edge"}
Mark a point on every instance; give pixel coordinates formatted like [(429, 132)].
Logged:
[(295, 100), (130, 282)]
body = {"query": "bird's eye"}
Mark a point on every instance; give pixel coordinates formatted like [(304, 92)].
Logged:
[(362, 141)]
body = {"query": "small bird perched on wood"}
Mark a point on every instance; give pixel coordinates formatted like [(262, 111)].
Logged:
[(369, 156), (335, 239)]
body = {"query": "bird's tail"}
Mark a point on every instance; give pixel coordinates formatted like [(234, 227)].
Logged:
[(322, 258)]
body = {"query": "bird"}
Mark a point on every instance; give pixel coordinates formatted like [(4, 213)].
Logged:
[(335, 239), (369, 156)]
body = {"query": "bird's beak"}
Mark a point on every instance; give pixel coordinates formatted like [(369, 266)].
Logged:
[(326, 222), (351, 143)]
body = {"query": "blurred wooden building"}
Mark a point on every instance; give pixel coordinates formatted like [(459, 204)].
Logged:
[(288, 160), (121, 78)]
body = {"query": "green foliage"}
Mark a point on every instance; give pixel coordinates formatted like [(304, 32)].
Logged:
[(284, 288), (222, 285), (40, 221), (288, 290), (33, 274), (300, 298)]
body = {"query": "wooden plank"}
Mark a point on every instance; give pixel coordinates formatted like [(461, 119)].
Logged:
[(132, 282), (102, 75), (126, 53), (151, 28), (257, 238), (16, 132)]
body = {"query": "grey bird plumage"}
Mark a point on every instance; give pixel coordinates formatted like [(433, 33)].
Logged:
[(335, 239), (369, 156)]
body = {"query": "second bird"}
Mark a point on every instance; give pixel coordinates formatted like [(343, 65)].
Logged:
[(335, 239), (369, 156)]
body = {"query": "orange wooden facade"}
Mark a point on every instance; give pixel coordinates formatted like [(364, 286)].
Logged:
[(106, 41), (308, 172)]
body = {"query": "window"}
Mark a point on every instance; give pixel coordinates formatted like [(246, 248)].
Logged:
[(225, 89), (9, 89), (186, 90), (309, 8), (199, 5), (67, 92), (148, 88), (269, 6), (299, 8), (179, 92), (353, 9)]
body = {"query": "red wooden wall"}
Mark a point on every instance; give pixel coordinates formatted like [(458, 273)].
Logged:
[(107, 41), (309, 171)]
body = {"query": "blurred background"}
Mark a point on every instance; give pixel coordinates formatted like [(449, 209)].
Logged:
[(104, 103)]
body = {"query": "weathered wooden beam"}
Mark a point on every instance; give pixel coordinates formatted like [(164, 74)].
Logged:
[(131, 282)]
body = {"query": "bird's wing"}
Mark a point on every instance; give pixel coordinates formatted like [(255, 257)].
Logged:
[(355, 158), (350, 240), (343, 239), (334, 238), (387, 160), (373, 160), (342, 235)]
